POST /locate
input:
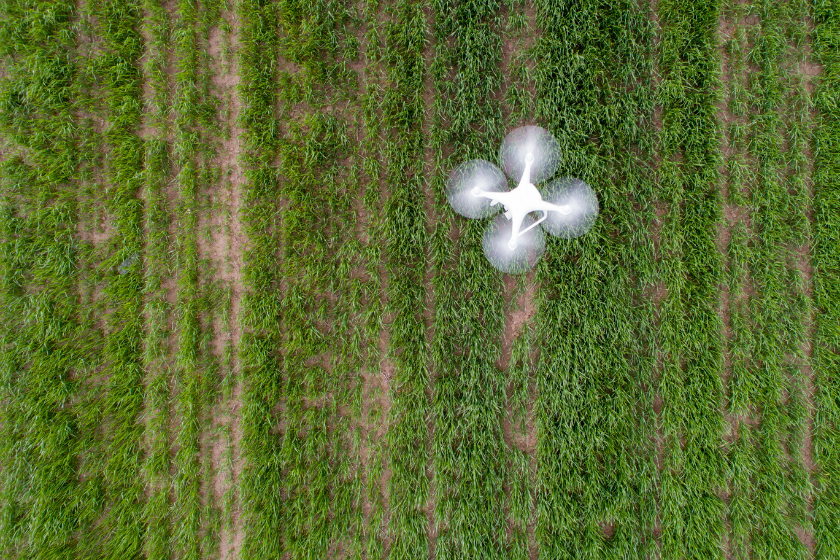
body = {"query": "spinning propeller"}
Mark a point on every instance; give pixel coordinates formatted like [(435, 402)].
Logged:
[(514, 241)]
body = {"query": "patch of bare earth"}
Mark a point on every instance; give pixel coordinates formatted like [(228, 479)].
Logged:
[(376, 375), (225, 249), (432, 218)]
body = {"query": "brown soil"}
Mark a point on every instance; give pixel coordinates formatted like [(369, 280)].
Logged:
[(225, 251), (432, 218)]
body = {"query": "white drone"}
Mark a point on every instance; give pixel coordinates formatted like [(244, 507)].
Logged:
[(530, 154)]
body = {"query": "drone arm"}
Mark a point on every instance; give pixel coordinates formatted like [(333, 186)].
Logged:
[(495, 197), (546, 207)]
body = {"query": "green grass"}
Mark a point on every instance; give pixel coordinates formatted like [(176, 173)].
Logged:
[(157, 352), (402, 236), (122, 524), (469, 454), (261, 479), (777, 330), (595, 369), (691, 338), (826, 40), (40, 348)]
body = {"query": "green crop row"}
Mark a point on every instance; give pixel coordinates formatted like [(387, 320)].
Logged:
[(371, 321), (740, 453), (521, 384), (261, 479), (322, 349), (119, 81), (41, 350), (157, 464), (195, 516), (469, 454), (402, 236), (690, 332), (596, 476), (774, 487), (826, 261)]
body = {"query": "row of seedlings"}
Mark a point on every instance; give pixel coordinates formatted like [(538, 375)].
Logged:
[(690, 386), (740, 451), (773, 390), (41, 343), (156, 357), (116, 66), (799, 305), (402, 235), (596, 471), (469, 454), (195, 515), (261, 479), (826, 261), (375, 406), (518, 108), (322, 347)]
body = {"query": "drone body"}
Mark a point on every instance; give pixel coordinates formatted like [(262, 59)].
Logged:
[(568, 209)]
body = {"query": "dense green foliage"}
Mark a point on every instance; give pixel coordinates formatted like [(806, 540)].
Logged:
[(690, 328), (826, 261), (41, 349), (595, 453), (156, 364), (238, 317)]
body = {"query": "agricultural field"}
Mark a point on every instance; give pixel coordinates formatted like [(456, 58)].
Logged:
[(239, 319)]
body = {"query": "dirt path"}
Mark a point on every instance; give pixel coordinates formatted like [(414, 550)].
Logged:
[(225, 251)]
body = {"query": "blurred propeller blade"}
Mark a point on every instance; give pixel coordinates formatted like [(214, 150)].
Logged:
[(474, 174), (530, 140), (530, 246), (581, 202)]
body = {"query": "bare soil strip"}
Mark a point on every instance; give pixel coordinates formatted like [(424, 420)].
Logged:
[(226, 251), (430, 94), (726, 30)]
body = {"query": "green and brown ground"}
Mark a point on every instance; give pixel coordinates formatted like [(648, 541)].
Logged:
[(239, 319)]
